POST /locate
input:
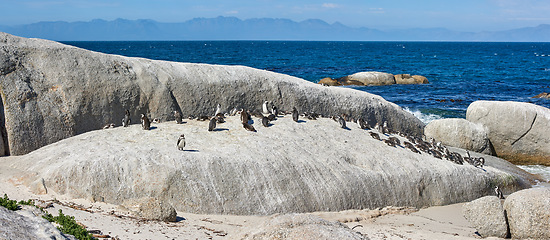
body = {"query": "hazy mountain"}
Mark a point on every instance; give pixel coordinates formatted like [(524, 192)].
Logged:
[(231, 28)]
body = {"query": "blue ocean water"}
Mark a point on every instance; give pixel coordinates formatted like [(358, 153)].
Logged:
[(459, 72)]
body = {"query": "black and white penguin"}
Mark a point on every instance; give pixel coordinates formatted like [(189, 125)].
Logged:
[(145, 123), (245, 116), (181, 142), (110, 125), (362, 124), (265, 121), (212, 124), (248, 127), (178, 117), (271, 117), (342, 122), (374, 135), (274, 110), (499, 193), (294, 114), (126, 120), (218, 110), (265, 108)]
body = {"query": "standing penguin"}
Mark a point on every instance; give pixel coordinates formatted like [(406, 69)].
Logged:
[(342, 122), (145, 123), (274, 110), (218, 110), (181, 142), (264, 107), (245, 116), (212, 124), (178, 117), (294, 114), (126, 119), (363, 124), (499, 193)]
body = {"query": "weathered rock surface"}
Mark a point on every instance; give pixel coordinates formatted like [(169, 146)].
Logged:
[(372, 78), (151, 209), (461, 133), (518, 131), (301, 226), (408, 79), (27, 226), (486, 215), (52, 91), (528, 213), (313, 165), (542, 95)]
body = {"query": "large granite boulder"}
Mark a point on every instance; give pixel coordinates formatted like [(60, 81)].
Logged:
[(300, 226), (288, 167), (52, 91), (518, 131), (487, 216), (408, 79), (461, 133), (528, 213), (23, 224), (149, 208), (372, 78)]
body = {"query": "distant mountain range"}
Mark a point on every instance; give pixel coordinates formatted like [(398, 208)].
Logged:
[(231, 28)]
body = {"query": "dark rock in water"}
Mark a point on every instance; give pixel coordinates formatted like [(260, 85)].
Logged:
[(542, 95), (53, 91)]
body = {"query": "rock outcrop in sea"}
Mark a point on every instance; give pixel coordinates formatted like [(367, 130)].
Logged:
[(51, 91), (374, 79)]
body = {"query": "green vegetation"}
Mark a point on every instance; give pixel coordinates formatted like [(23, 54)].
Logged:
[(68, 225), (12, 204)]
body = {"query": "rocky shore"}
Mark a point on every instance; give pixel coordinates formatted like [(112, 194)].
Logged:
[(297, 178), (374, 79)]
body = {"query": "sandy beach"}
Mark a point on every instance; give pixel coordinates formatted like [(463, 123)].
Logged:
[(438, 222)]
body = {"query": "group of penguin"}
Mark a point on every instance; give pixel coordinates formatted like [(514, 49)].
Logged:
[(270, 113)]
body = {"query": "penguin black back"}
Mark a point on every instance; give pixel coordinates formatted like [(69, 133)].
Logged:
[(212, 124), (294, 114)]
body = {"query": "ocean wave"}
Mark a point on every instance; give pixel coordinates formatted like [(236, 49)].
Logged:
[(543, 171), (425, 118)]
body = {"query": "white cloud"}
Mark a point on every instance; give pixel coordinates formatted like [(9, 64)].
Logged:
[(330, 5), (232, 12)]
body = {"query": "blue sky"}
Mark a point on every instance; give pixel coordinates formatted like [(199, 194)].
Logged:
[(463, 15)]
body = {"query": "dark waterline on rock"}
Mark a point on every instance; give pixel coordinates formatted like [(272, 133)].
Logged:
[(459, 72)]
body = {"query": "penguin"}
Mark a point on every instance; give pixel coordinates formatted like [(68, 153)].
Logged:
[(271, 117), (248, 127), (178, 117), (126, 119), (233, 112), (274, 110), (265, 121), (374, 135), (294, 114), (264, 107), (218, 110), (395, 140), (156, 120), (145, 123), (110, 125), (212, 124), (389, 142), (499, 193), (244, 116), (181, 142), (220, 118), (362, 124), (342, 122), (411, 147)]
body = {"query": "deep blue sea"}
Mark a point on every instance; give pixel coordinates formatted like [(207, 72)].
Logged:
[(459, 72)]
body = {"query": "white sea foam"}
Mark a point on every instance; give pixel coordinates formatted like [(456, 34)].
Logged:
[(425, 118), (543, 171)]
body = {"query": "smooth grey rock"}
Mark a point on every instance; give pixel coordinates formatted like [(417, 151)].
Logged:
[(486, 215), (528, 213), (24, 224), (52, 91), (300, 226), (151, 209), (372, 78), (288, 167), (518, 131), (461, 133)]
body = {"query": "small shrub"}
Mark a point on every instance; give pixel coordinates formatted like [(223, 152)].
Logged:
[(68, 225), (9, 204)]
